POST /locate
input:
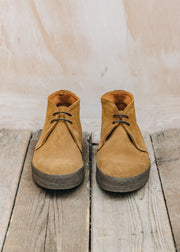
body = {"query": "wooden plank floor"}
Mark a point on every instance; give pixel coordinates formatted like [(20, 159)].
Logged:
[(87, 218), (167, 151), (133, 221), (13, 147), (49, 221)]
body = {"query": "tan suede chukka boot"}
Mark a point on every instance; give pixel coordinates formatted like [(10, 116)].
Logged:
[(57, 161), (123, 162)]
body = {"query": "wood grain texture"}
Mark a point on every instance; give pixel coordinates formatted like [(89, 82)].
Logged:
[(135, 221), (49, 221), (13, 146), (167, 152)]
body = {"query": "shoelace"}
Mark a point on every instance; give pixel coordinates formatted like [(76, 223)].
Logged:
[(121, 121), (61, 119)]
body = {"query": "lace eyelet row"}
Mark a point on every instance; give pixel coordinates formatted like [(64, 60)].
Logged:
[(61, 119), (121, 121)]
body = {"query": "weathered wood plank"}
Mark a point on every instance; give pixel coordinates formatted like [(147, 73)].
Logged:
[(13, 146), (167, 152), (135, 221), (49, 221)]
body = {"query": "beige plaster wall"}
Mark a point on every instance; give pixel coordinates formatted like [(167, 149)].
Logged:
[(89, 47)]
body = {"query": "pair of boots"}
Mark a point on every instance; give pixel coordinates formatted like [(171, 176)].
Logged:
[(123, 162)]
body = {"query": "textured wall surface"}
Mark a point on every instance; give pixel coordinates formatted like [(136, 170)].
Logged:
[(89, 47)]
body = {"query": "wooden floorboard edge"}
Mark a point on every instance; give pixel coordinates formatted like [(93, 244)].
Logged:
[(90, 186)]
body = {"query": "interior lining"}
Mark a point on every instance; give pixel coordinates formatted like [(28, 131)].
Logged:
[(120, 99), (63, 99)]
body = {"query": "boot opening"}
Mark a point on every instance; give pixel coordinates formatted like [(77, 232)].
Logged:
[(120, 98), (63, 98)]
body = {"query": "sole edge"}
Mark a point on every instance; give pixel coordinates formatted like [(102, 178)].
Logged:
[(58, 182), (122, 185)]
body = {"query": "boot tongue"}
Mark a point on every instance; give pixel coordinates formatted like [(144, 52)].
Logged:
[(121, 105), (62, 108), (122, 109)]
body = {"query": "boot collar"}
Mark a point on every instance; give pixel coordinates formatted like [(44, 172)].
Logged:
[(110, 107), (70, 104)]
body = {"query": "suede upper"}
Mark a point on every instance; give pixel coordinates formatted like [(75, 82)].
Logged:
[(59, 150), (122, 151)]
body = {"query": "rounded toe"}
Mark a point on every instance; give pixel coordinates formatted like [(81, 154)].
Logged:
[(58, 166), (124, 168)]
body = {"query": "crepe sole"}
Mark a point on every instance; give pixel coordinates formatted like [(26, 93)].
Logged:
[(117, 184), (58, 182)]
